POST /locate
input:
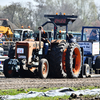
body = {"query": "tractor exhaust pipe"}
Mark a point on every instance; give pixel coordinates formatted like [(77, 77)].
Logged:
[(40, 32), (39, 39)]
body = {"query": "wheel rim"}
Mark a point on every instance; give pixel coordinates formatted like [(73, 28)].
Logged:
[(63, 60), (87, 71), (44, 68), (77, 58)]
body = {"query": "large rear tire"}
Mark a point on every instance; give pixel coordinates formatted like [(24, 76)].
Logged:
[(73, 60), (43, 69), (57, 60)]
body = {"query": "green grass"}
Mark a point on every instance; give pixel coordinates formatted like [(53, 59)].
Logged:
[(17, 91), (44, 89), (83, 88)]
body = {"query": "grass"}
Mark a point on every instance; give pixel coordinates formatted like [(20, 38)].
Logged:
[(17, 91), (44, 89), (83, 88)]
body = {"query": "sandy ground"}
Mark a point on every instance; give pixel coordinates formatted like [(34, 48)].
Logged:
[(17, 83)]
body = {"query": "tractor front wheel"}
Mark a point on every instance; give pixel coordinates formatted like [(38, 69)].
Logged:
[(43, 69), (8, 72)]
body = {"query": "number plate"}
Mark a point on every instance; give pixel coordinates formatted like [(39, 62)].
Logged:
[(24, 57), (20, 50)]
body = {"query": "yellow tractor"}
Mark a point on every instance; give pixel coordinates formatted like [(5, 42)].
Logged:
[(6, 28), (6, 31)]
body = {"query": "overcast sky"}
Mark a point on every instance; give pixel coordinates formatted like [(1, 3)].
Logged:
[(8, 2)]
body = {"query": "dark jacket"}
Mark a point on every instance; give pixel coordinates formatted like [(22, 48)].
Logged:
[(93, 38), (70, 39), (43, 37)]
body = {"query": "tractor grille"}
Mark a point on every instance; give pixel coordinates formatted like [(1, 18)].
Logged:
[(22, 52)]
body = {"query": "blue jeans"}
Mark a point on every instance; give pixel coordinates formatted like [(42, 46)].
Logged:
[(46, 45)]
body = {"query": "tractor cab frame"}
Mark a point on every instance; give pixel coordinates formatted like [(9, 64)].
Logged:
[(60, 20)]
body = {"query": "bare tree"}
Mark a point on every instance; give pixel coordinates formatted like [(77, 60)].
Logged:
[(10, 11), (32, 15)]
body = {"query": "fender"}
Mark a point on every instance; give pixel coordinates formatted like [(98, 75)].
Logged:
[(55, 42)]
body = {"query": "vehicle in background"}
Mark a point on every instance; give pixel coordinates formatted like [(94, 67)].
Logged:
[(62, 35), (6, 28), (90, 51), (22, 34), (77, 35)]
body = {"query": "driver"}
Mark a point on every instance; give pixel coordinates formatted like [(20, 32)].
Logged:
[(44, 39), (93, 35)]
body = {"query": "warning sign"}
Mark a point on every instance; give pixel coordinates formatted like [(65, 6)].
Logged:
[(90, 48), (87, 46)]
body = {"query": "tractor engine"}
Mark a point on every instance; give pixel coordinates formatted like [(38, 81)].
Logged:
[(26, 50), (26, 53)]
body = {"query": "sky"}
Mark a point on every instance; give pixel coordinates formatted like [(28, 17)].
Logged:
[(8, 2), (97, 2)]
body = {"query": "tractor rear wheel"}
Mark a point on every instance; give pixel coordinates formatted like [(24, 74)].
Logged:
[(57, 60), (43, 69), (73, 60)]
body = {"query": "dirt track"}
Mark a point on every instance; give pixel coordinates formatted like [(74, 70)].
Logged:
[(17, 83)]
